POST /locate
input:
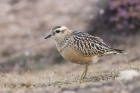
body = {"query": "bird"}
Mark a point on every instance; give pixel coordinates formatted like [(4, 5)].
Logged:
[(80, 47)]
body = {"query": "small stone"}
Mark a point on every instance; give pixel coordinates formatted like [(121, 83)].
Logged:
[(128, 74)]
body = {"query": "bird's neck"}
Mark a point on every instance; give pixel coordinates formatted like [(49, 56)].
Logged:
[(62, 43)]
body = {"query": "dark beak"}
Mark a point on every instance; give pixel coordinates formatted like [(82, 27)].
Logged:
[(48, 36)]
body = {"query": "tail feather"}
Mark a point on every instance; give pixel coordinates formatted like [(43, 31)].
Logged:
[(116, 51)]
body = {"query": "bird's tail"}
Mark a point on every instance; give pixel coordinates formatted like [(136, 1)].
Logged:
[(116, 51)]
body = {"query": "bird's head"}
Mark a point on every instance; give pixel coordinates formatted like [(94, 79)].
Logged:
[(58, 32)]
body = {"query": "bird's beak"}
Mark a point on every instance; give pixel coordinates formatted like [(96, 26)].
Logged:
[(48, 36)]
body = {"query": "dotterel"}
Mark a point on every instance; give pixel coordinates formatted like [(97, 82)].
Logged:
[(80, 47)]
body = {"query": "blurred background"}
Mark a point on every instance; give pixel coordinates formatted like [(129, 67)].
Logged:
[(25, 23)]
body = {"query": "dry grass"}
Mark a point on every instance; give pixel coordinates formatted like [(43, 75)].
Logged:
[(59, 78)]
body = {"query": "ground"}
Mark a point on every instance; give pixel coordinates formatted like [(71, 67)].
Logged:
[(65, 77)]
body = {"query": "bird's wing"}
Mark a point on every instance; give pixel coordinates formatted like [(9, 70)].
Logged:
[(89, 45)]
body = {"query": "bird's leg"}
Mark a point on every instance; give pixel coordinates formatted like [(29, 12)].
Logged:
[(85, 71)]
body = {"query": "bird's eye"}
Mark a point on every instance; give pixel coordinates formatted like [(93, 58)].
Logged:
[(57, 31)]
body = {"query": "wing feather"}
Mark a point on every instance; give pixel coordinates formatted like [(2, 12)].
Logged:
[(89, 45)]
